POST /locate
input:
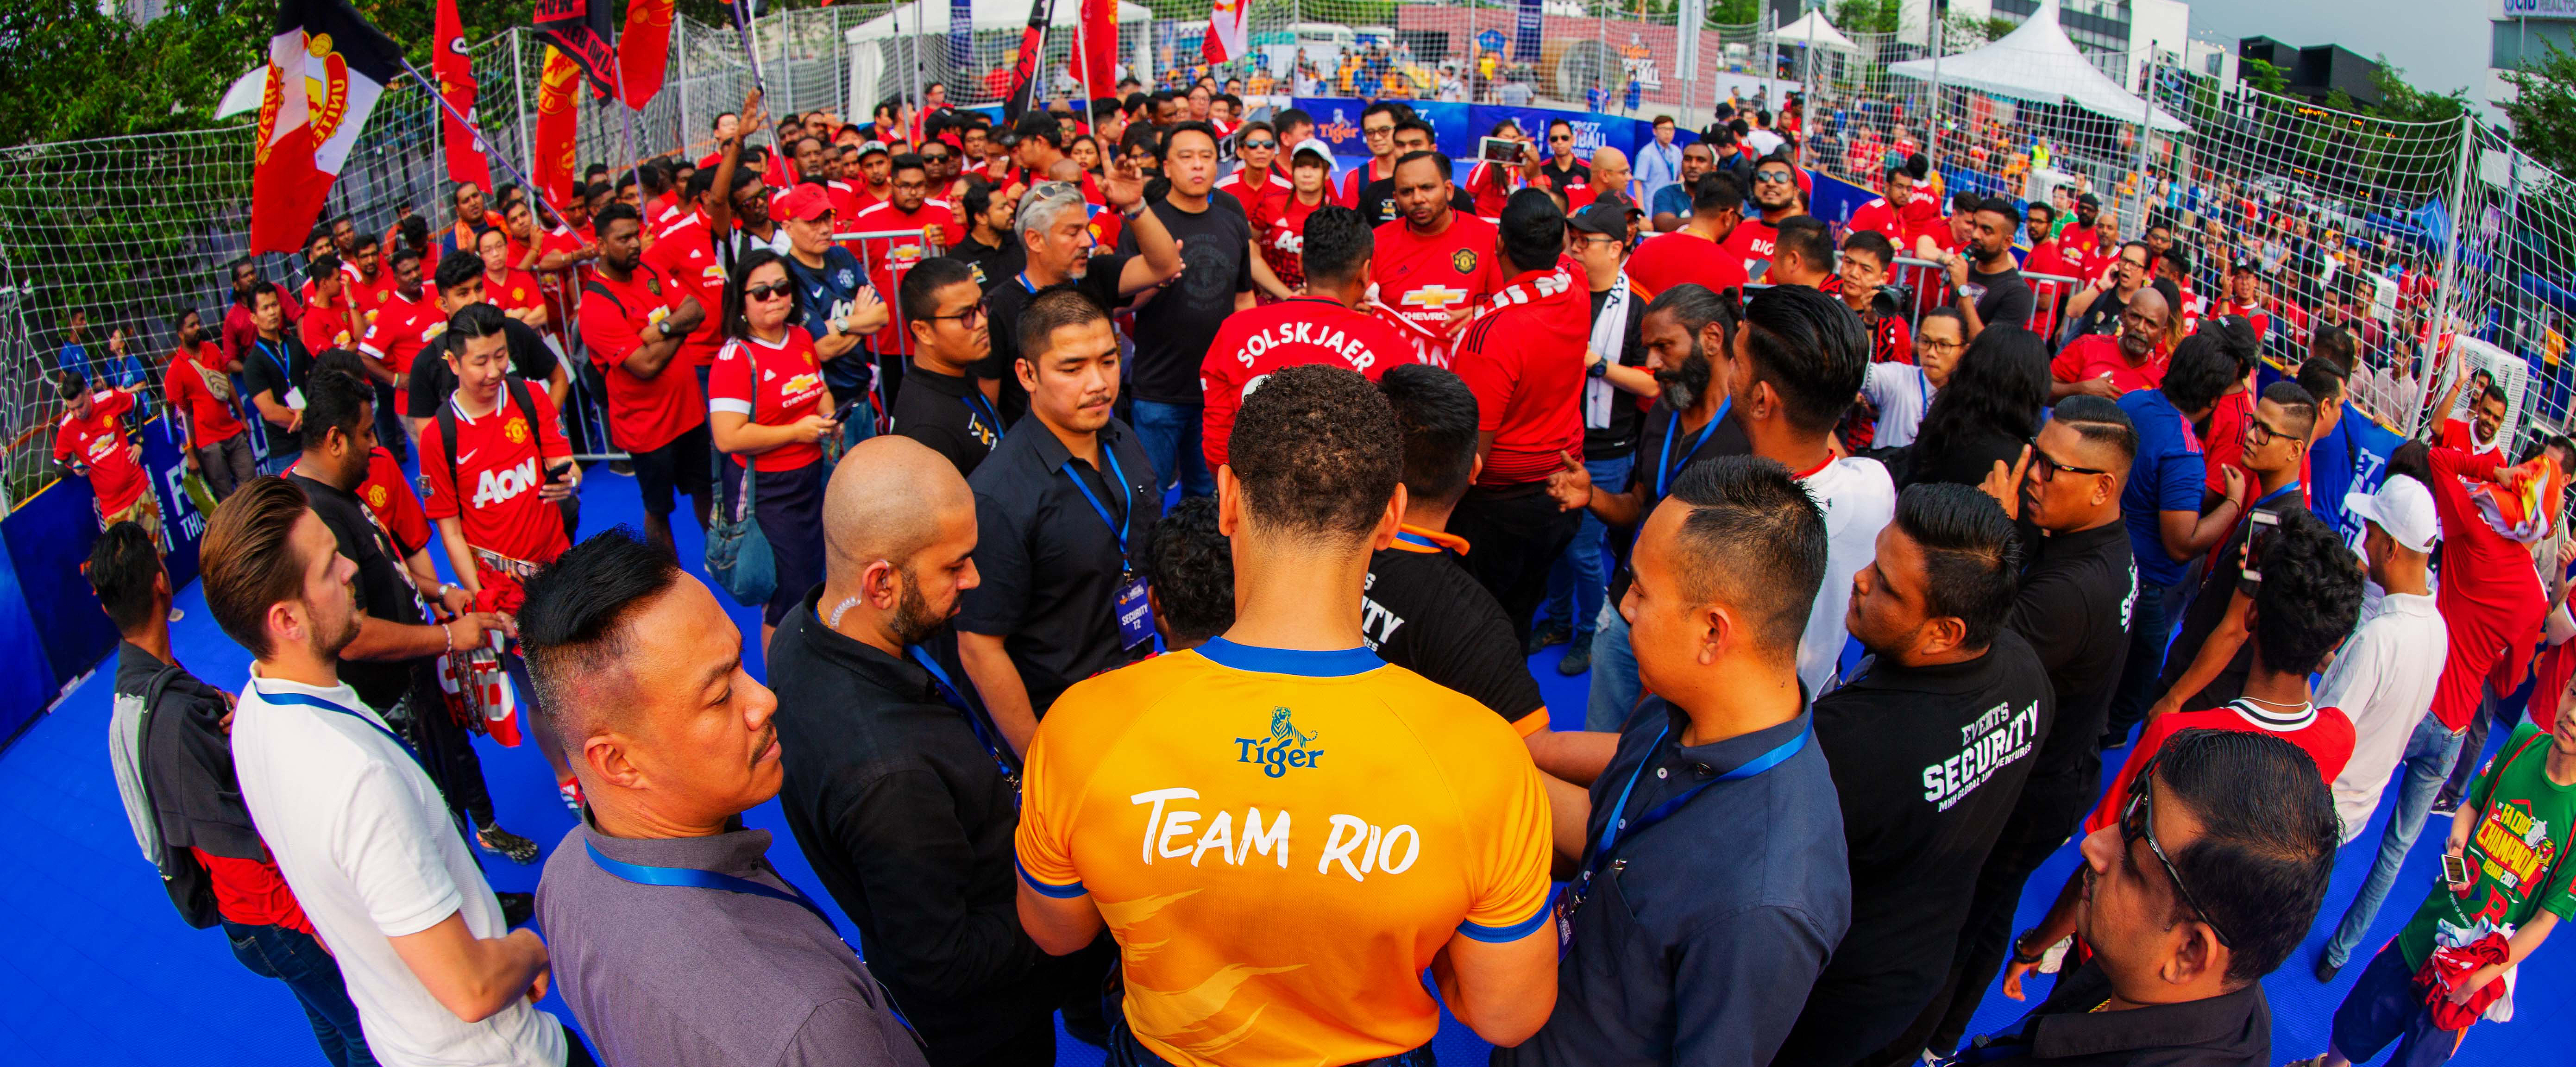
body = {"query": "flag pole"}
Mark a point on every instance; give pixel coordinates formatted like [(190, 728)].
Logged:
[(751, 58), (430, 84)]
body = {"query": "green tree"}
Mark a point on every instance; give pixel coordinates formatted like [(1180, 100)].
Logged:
[(2264, 75), (1866, 16), (2406, 103), (2544, 110)]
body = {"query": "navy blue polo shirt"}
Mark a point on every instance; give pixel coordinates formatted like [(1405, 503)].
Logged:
[(2167, 476), (1703, 932), (828, 294)]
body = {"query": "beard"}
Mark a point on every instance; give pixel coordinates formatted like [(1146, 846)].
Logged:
[(914, 622), (1683, 386), (328, 642)]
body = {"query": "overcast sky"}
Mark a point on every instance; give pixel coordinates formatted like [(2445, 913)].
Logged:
[(2440, 44)]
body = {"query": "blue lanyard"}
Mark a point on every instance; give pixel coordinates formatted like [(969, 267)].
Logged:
[(1411, 538), (693, 878), (1126, 496), (273, 358), (1618, 825), (977, 405), (957, 698), (2277, 494), (1664, 465), (1023, 279), (317, 702)]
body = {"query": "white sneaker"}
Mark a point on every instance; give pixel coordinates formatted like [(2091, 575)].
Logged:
[(176, 614)]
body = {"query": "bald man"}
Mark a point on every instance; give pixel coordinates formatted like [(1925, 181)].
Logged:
[(1610, 176), (898, 787)]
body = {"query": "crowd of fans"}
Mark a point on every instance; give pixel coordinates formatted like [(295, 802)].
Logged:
[(1877, 582)]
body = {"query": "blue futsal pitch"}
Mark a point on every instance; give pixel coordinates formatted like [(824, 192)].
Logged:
[(100, 970)]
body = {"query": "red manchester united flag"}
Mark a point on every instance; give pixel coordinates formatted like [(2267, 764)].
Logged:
[(645, 48), (454, 69), (326, 66)]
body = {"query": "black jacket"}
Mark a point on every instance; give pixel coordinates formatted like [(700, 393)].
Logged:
[(2231, 1030), (908, 821)]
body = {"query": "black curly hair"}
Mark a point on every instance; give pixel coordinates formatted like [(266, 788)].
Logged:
[(2310, 595), (1191, 566), (1999, 386)]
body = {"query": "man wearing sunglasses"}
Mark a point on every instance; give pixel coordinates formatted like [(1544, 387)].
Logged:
[(1929, 747), (2180, 940), (1563, 171), (1377, 131), (840, 307), (1254, 181), (1775, 197)]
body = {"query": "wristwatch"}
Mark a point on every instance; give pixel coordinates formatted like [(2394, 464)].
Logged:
[(2023, 956), (1598, 369)]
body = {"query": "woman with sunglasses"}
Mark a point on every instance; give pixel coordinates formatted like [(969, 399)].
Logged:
[(770, 411)]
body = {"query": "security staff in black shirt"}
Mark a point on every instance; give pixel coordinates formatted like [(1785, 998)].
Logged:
[(944, 407), (1062, 509), (391, 661), (2078, 590), (1929, 745), (898, 787)]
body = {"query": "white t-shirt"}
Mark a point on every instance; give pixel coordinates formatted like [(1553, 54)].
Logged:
[(1858, 499), (2383, 680), (1764, 141), (366, 843), (1901, 394)]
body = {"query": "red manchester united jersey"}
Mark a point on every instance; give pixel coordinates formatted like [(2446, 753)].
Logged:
[(1425, 278), (643, 413), (687, 256), (99, 441), (1308, 329), (889, 259), (1279, 223), (773, 384), (401, 329), (1683, 257), (500, 464)]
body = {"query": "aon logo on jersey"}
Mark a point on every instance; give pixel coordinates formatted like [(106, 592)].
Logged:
[(500, 485)]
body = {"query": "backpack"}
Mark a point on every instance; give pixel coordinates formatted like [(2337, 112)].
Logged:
[(190, 885), (570, 505)]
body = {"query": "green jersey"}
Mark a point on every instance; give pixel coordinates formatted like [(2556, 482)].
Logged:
[(2516, 852)]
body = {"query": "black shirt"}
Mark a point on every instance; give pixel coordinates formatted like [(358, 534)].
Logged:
[(1573, 173), (1051, 568), (1928, 763), (276, 367), (2225, 578), (948, 413), (383, 588), (1423, 612), (2078, 593), (1620, 437), (2228, 1030), (981, 258), (531, 358), (1175, 328), (1002, 305), (2007, 298), (1655, 475), (908, 822)]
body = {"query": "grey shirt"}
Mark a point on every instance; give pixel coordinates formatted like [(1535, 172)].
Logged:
[(679, 976)]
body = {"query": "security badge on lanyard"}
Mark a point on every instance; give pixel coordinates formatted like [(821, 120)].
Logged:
[(1620, 825), (1133, 613)]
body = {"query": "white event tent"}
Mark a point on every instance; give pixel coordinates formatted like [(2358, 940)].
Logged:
[(2038, 63)]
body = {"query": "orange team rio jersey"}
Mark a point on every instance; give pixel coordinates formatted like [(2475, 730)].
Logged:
[(1281, 841), (500, 466), (889, 259), (1423, 279), (1251, 345), (686, 254), (401, 329), (1680, 257), (788, 387), (643, 413), (100, 442)]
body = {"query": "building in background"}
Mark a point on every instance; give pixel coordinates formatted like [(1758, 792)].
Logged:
[(2120, 36), (2313, 72), (2524, 32)]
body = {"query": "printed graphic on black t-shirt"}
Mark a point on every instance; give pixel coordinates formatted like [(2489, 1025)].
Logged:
[(1423, 612), (1175, 328)]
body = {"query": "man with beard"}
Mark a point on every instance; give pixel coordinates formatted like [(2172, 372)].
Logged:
[(1775, 198), (199, 384), (1436, 263), (354, 824), (1688, 334), (1989, 286), (1671, 205), (898, 787), (2096, 307), (634, 319), (241, 322), (2082, 238), (2112, 367)]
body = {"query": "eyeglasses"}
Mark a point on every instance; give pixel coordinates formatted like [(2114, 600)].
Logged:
[(1937, 346), (2047, 466), (967, 318), (2138, 821), (1772, 177), (2259, 433), (772, 291), (1377, 131), (1259, 146)]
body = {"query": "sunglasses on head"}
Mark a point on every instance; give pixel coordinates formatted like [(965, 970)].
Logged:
[(771, 291), (2138, 822)]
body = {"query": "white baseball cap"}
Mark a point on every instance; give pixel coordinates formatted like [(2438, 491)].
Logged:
[(2404, 508), (1314, 146)]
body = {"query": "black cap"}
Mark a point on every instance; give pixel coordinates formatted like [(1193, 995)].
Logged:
[(1607, 216), (2089, 200)]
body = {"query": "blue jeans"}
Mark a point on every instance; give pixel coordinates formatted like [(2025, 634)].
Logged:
[(1170, 434), (2429, 755), (1578, 582), (1615, 688), (2150, 630), (295, 958)]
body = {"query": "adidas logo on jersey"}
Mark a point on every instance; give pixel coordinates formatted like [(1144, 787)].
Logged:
[(497, 486)]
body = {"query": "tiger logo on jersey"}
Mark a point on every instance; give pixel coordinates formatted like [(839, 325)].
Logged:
[(1286, 747), (1463, 260), (516, 430)]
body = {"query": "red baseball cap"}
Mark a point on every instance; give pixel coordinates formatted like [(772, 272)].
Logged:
[(806, 203)]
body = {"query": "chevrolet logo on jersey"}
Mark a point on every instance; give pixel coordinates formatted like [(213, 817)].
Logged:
[(799, 384), (1436, 297), (1286, 747)]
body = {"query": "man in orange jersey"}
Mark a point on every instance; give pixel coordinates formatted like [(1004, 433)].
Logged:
[(1316, 787)]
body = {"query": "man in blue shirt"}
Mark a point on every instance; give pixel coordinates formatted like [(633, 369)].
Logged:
[(2334, 455), (841, 307), (2163, 508), (1672, 201), (1713, 882)]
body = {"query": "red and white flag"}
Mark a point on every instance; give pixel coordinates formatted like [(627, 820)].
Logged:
[(1094, 64), (453, 66), (326, 67), (1228, 23)]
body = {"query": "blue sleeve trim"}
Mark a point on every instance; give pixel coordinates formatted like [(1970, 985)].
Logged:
[(1503, 935), (1048, 889)]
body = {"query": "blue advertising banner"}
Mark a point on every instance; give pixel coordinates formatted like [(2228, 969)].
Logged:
[(1528, 21)]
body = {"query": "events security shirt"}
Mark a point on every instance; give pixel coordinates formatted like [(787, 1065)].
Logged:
[(1281, 841)]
